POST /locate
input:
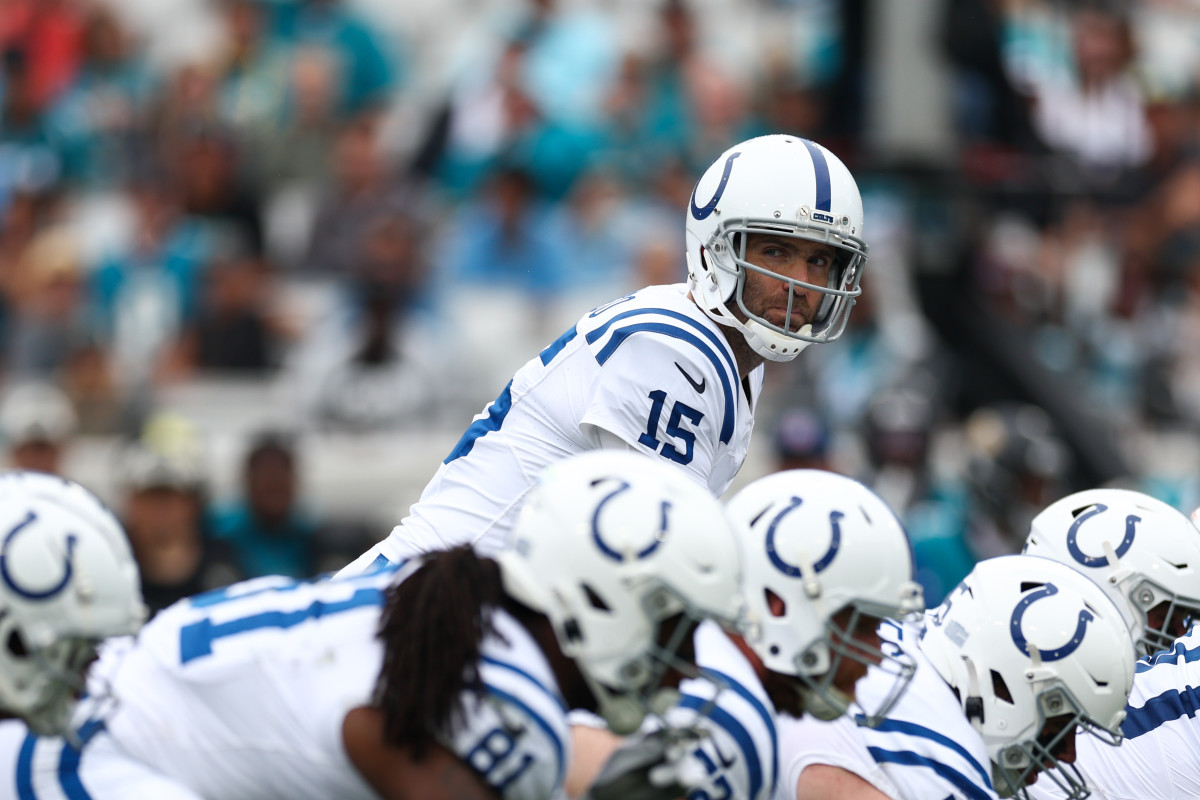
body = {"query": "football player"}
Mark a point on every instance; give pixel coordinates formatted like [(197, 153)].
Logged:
[(1146, 555), (450, 677), (67, 581), (775, 255), (824, 562), (1021, 654)]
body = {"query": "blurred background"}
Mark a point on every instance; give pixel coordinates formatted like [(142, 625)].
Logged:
[(262, 260)]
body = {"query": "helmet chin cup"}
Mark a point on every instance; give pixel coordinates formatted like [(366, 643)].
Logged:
[(623, 714), (826, 705)]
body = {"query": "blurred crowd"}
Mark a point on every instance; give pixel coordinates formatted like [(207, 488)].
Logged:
[(315, 204)]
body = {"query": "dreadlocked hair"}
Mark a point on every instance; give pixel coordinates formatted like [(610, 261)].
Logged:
[(432, 626)]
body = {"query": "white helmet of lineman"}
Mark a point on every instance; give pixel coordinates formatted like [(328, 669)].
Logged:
[(67, 580), (608, 546), (1141, 551), (814, 544), (787, 186), (1033, 650)]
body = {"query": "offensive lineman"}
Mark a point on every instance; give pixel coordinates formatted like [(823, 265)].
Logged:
[(775, 255), (1022, 653), (1146, 556)]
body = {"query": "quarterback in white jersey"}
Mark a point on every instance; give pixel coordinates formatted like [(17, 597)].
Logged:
[(775, 256), (1158, 757), (997, 697), (451, 676)]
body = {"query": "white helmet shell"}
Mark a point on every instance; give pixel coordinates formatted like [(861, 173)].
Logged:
[(783, 185), (67, 580), (609, 544), (1025, 639), (815, 543), (1142, 552)]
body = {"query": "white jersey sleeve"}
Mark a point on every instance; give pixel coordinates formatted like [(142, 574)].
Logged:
[(36, 767), (1158, 756), (739, 752), (924, 750), (516, 737)]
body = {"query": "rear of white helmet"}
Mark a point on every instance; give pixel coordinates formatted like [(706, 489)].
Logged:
[(67, 580), (1142, 552), (815, 543), (609, 545), (782, 185), (1026, 640)]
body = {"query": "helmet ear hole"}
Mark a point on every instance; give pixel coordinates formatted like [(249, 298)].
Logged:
[(1000, 688), (595, 600), (16, 645), (775, 603)]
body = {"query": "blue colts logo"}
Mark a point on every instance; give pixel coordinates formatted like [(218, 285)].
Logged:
[(1099, 561), (1057, 653), (702, 212), (612, 552), (791, 570), (7, 577)]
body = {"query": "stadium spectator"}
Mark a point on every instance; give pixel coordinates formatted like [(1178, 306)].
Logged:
[(37, 423), (268, 530)]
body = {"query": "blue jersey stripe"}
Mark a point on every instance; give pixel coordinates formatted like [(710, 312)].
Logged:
[(555, 347), (540, 721), (497, 411), (1178, 651), (380, 563), (1171, 705), (196, 638), (821, 174), (909, 759), (25, 768), (767, 717), (912, 729), (68, 762), (553, 695), (734, 728), (621, 334), (720, 345)]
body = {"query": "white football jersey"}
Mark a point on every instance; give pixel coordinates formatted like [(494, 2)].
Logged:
[(925, 750), (740, 751), (241, 693), (1158, 756), (649, 369)]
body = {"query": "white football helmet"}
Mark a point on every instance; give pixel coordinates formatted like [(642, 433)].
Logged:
[(782, 185), (1142, 552), (1026, 640), (67, 581), (815, 543), (610, 544)]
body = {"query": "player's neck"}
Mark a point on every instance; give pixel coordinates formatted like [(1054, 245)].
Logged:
[(743, 353), (747, 360)]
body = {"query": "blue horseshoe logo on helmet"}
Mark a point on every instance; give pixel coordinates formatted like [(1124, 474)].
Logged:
[(791, 570), (611, 552), (702, 212), (1018, 637), (1099, 561), (28, 594)]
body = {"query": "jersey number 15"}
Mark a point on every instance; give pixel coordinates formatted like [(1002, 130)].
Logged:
[(679, 412)]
